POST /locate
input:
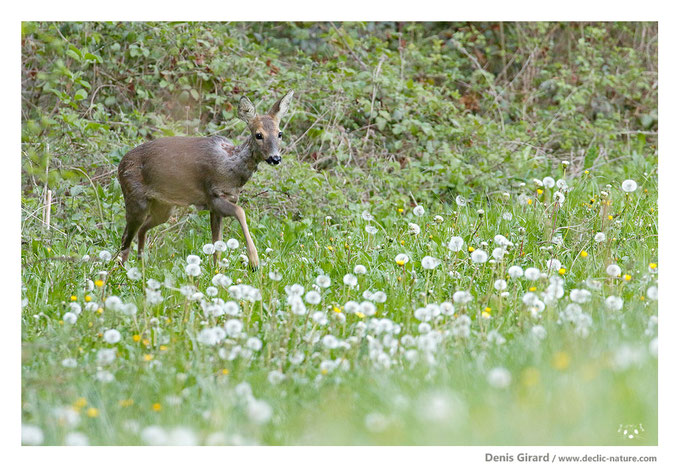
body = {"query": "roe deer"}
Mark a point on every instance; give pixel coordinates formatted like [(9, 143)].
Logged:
[(207, 172)]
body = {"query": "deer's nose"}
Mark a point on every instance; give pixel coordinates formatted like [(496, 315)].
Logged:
[(274, 160)]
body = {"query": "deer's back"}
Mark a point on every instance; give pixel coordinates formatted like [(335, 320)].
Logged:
[(180, 170)]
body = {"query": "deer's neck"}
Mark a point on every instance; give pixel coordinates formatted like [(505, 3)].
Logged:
[(247, 157)]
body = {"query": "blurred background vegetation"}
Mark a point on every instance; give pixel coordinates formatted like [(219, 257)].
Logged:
[(426, 110)]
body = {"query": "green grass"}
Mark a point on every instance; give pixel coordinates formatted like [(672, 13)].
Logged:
[(577, 386)]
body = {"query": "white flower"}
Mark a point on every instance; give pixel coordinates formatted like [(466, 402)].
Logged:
[(182, 436), (580, 296), (553, 264), (539, 332), (515, 272), (446, 308), (232, 244), (70, 317), (401, 259), (614, 303), (367, 308), (350, 280), (653, 293), (106, 356), (209, 249), (367, 216), (500, 284), (220, 246), (379, 297), (371, 229), (104, 376), (418, 210), (193, 260), (259, 411), (69, 362), (31, 435), (104, 255), (530, 299), (507, 216), (323, 281), (614, 270), (193, 269), (559, 198), (275, 377), (254, 343), (359, 270), (461, 201), (113, 303), (134, 274), (561, 184), (430, 263), (456, 244), (413, 228), (154, 435), (499, 377), (211, 291), (313, 297), (211, 336), (233, 327), (501, 240), (438, 219), (629, 185), (330, 342), (600, 237), (462, 297), (479, 256), (548, 182), (532, 274), (275, 275), (112, 336)]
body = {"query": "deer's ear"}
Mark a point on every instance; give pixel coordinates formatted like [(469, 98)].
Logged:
[(279, 109), (246, 110)]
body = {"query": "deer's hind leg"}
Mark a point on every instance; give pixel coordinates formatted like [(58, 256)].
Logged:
[(159, 213), (135, 214), (216, 229)]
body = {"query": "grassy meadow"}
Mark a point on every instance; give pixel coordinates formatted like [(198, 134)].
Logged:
[(452, 252)]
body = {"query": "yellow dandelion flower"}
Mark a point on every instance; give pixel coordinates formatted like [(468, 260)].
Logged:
[(561, 271), (627, 277), (642, 298), (561, 360), (136, 338), (325, 371), (398, 278), (471, 249), (92, 412), (584, 254), (336, 309), (80, 403), (100, 311), (487, 309), (330, 248), (539, 191), (225, 371), (401, 242), (486, 315), (99, 283), (360, 314), (148, 357), (88, 298), (156, 407), (653, 266), (532, 289), (126, 403), (346, 246), (163, 348), (586, 172), (74, 298), (529, 201), (610, 217), (146, 342), (400, 262), (400, 210)]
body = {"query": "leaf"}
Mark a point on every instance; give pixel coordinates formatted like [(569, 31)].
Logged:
[(80, 95)]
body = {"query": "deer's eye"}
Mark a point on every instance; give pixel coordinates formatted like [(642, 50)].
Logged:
[(280, 134), (258, 136)]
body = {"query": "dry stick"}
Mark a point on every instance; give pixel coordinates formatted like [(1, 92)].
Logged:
[(349, 49), (496, 98), (99, 205), (375, 88), (48, 210)]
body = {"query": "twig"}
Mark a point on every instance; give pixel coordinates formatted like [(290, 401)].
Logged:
[(349, 49), (370, 115)]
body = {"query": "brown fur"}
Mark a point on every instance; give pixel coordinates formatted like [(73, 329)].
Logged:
[(207, 172)]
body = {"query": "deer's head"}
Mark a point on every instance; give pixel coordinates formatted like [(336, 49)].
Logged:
[(264, 129)]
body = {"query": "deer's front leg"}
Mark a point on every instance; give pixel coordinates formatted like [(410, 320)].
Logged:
[(223, 207)]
